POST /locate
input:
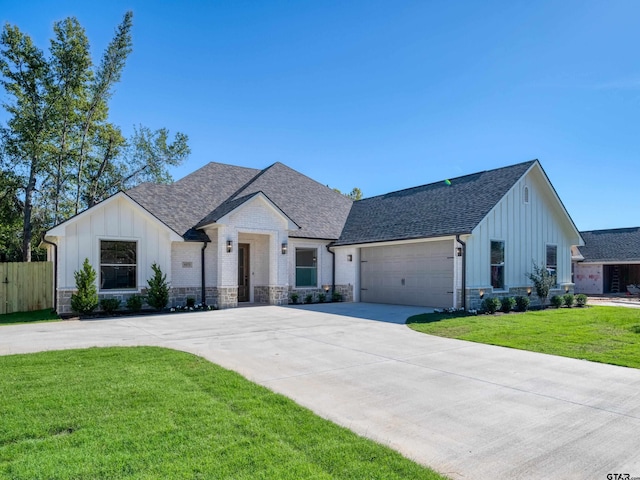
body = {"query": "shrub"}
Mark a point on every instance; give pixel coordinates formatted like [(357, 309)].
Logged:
[(294, 298), (522, 303), (134, 303), (85, 300), (491, 305), (322, 297), (308, 298), (336, 297), (581, 300), (542, 282), (557, 301), (191, 302), (569, 300), (507, 304), (109, 305), (158, 293)]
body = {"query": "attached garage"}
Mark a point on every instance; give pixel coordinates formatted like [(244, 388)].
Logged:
[(408, 274)]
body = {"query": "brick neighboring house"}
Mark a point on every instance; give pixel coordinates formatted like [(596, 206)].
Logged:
[(227, 235), (608, 261)]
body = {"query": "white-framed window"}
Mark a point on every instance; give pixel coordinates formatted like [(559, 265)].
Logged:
[(552, 260), (306, 267), (497, 264), (118, 265)]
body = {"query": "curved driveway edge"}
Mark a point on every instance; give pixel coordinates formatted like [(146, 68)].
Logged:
[(467, 410)]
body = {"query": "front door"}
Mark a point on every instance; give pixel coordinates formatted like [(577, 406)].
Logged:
[(243, 272)]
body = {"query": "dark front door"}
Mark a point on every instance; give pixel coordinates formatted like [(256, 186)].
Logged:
[(243, 272)]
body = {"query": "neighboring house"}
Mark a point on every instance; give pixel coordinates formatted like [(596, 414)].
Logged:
[(227, 234), (608, 261)]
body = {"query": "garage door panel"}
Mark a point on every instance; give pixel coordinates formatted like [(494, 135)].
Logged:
[(426, 269)]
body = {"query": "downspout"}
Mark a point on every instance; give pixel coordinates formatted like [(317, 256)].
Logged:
[(55, 272), (333, 270), (204, 291), (464, 271)]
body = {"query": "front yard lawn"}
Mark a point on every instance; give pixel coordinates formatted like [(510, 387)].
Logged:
[(601, 334), (149, 412), (46, 315)]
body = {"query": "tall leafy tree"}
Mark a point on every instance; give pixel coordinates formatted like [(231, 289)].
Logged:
[(60, 153)]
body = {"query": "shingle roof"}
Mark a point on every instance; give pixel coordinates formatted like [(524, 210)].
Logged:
[(216, 189), (616, 245), (432, 210)]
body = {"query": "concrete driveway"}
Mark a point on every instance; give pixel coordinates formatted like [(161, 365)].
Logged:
[(467, 410)]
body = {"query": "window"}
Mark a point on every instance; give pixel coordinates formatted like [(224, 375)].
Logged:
[(497, 265), (525, 195), (118, 265), (552, 259), (306, 267)]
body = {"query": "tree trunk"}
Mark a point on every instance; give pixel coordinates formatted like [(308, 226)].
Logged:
[(27, 227)]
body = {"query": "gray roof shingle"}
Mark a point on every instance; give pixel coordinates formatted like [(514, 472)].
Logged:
[(215, 189), (616, 245), (432, 210)]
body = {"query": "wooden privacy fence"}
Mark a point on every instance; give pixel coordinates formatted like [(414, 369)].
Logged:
[(26, 286)]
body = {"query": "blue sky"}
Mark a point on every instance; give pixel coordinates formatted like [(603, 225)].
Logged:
[(386, 95)]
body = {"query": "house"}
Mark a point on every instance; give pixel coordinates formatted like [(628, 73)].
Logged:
[(608, 261), (225, 235)]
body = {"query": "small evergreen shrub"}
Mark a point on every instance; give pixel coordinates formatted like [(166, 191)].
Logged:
[(134, 303), (191, 302), (109, 305), (85, 300), (542, 281), (522, 303), (557, 301), (158, 292), (294, 298), (336, 297), (308, 298), (507, 304), (322, 297), (569, 300), (581, 300), (491, 305)]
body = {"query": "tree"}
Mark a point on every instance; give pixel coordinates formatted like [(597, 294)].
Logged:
[(542, 280), (158, 292), (63, 153), (85, 300), (355, 194)]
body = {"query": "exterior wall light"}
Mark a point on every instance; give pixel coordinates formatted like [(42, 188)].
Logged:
[(459, 251), (229, 246), (325, 288), (349, 258), (481, 293), (284, 248), (529, 291)]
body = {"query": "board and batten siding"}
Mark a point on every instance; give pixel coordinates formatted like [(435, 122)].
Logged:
[(113, 220), (526, 229)]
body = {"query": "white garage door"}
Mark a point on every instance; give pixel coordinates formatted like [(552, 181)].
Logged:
[(411, 274)]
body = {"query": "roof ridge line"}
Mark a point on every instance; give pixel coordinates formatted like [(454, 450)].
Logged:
[(246, 185)]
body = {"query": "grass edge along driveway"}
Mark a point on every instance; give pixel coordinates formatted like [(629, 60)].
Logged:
[(599, 334), (46, 315), (149, 412)]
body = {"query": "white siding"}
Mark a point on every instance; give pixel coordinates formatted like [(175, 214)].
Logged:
[(118, 219), (526, 229)]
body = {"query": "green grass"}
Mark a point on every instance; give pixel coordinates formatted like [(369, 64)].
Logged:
[(600, 334), (150, 413), (46, 315)]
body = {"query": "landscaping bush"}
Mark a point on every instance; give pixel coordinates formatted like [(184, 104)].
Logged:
[(507, 304), (336, 297), (491, 305), (557, 301), (322, 297), (191, 302), (308, 298), (158, 293), (109, 305), (85, 300), (294, 298), (522, 303), (581, 300), (569, 300), (134, 303), (542, 282)]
